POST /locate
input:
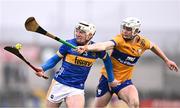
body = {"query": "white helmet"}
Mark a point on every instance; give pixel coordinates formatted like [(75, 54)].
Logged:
[(133, 23), (87, 27)]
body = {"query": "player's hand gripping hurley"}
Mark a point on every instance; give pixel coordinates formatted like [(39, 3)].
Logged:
[(32, 25), (15, 51)]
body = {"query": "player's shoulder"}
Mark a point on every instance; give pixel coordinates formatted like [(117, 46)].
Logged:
[(118, 39), (71, 40), (65, 47), (144, 41), (142, 38), (119, 36)]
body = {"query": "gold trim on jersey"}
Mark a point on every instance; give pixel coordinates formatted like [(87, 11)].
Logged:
[(59, 54)]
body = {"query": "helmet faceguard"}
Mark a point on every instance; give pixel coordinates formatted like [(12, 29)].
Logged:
[(87, 28), (131, 24)]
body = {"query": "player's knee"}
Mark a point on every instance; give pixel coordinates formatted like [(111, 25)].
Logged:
[(100, 104), (134, 103)]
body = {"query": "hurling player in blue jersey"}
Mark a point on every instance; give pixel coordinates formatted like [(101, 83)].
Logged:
[(68, 82)]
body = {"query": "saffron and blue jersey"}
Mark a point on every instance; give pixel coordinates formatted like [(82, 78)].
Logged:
[(75, 67), (125, 55)]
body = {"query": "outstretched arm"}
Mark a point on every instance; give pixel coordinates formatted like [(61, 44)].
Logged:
[(100, 46), (48, 65), (51, 62), (171, 65)]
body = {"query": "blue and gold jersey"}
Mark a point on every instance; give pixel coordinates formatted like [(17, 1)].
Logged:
[(75, 67), (125, 55)]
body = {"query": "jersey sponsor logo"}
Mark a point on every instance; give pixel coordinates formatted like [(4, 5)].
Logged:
[(124, 58), (130, 59), (79, 60), (82, 62)]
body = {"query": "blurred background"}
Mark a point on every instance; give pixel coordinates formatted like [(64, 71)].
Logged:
[(20, 87)]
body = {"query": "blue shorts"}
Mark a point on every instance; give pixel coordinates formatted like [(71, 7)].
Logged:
[(103, 87)]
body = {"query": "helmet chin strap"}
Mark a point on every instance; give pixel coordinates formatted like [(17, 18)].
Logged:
[(88, 40)]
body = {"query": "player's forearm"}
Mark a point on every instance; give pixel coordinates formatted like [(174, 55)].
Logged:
[(101, 46), (159, 53), (51, 62), (96, 47), (109, 68)]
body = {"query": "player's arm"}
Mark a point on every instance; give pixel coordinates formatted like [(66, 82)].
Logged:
[(56, 58), (50, 63), (172, 65), (109, 69), (99, 46), (53, 60)]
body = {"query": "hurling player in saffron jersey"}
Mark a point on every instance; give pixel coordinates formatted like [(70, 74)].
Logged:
[(126, 47), (68, 82)]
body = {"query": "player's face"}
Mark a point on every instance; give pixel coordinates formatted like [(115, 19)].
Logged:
[(127, 32), (80, 36)]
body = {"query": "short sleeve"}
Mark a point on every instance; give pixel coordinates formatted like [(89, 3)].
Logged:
[(146, 43), (63, 50), (116, 40)]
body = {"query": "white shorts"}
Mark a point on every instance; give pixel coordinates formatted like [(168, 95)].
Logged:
[(58, 92)]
